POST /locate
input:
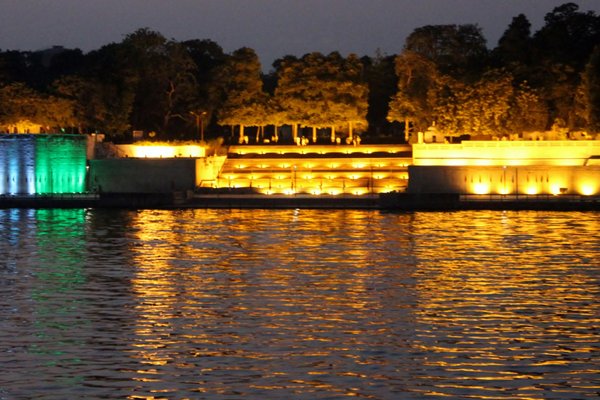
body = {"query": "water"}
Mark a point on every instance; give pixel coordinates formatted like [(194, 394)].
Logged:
[(298, 304)]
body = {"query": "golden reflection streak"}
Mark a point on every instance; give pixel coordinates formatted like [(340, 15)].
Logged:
[(480, 306), (161, 242)]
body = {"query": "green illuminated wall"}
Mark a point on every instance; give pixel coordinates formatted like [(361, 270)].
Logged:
[(42, 164)]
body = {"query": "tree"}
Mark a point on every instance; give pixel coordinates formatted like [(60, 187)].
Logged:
[(322, 92), (13, 67), (457, 50), (163, 75), (494, 105), (209, 59), (561, 49), (382, 82), (483, 107), (111, 85), (527, 111), (589, 93), (418, 83), (19, 102), (514, 50), (351, 93), (246, 103), (291, 91), (568, 36), (90, 109)]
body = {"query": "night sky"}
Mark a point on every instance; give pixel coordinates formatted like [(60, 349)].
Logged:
[(273, 28)]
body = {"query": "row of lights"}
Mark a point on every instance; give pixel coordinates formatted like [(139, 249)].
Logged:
[(328, 176), (330, 166), (583, 188)]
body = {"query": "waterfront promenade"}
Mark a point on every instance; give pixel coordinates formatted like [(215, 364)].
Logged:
[(397, 201)]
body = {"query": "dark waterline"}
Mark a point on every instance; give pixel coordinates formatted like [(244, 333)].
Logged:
[(298, 304)]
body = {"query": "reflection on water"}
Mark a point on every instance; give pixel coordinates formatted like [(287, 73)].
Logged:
[(298, 304)]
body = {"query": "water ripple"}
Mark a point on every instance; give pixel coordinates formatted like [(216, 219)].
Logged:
[(300, 304)]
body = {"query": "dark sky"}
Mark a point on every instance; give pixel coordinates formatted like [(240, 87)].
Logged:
[(273, 28)]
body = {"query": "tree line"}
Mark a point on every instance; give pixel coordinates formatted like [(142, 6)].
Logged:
[(445, 76)]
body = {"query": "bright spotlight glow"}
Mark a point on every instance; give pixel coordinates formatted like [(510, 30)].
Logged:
[(481, 188), (588, 189), (531, 190)]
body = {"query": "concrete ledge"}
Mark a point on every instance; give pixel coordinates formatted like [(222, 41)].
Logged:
[(385, 201), (449, 202), (50, 201), (283, 201)]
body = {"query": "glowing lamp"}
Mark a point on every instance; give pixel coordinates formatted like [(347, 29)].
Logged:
[(531, 190), (481, 188), (503, 190), (153, 152), (555, 190), (588, 189)]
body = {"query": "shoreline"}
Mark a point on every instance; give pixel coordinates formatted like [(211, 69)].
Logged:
[(391, 202)]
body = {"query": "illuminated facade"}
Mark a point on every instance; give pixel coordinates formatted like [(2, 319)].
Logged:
[(42, 164), (316, 170), (159, 150), (507, 168), (507, 153), (23, 126)]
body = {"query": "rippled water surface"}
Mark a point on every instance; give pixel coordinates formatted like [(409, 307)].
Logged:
[(298, 304)]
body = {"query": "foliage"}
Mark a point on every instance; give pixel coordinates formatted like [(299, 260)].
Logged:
[(445, 76), (322, 91), (20, 102), (568, 36), (382, 82), (418, 83), (245, 102), (590, 92), (457, 50)]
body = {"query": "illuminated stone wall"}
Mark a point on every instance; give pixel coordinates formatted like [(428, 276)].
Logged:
[(488, 153), (42, 164), (510, 180), (160, 150), (398, 150), (317, 170), (207, 170)]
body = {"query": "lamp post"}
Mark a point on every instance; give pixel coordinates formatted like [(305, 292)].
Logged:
[(199, 123)]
